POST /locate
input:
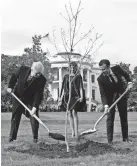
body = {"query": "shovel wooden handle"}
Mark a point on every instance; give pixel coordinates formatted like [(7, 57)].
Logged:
[(105, 113), (30, 111)]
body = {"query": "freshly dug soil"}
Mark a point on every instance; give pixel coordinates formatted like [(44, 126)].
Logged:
[(88, 148)]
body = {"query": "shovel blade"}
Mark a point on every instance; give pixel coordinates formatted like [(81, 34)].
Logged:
[(57, 136), (88, 132)]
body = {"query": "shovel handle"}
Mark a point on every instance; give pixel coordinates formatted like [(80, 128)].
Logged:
[(21, 102), (30, 111), (40, 122), (118, 99), (102, 116)]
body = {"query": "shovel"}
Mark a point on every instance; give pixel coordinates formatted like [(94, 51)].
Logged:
[(90, 131), (56, 136)]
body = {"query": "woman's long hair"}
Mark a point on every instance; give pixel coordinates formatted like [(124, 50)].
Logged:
[(75, 67)]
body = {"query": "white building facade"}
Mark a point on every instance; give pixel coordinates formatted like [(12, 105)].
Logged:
[(89, 74)]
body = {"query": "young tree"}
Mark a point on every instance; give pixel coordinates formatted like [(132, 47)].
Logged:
[(132, 101), (71, 38), (132, 97), (8, 65), (126, 67)]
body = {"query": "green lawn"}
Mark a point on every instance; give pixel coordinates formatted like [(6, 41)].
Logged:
[(24, 152)]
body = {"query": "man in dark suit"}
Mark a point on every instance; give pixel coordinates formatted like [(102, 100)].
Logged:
[(111, 86), (28, 85)]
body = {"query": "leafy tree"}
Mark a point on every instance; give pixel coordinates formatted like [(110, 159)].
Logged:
[(133, 95), (8, 66), (126, 67), (35, 53), (135, 70), (132, 98)]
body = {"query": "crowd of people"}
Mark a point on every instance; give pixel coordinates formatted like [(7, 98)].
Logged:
[(28, 83)]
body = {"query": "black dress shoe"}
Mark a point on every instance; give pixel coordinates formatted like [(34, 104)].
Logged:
[(110, 143), (11, 139), (127, 140)]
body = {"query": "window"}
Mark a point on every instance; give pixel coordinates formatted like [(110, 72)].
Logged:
[(65, 71), (93, 78), (85, 75), (55, 74), (93, 94), (58, 92)]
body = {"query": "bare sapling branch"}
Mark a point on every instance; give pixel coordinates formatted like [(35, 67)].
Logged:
[(65, 44), (69, 18), (83, 37), (64, 17), (75, 25), (54, 42), (88, 54), (71, 9)]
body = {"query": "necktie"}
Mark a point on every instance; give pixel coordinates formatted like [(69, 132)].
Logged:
[(112, 79)]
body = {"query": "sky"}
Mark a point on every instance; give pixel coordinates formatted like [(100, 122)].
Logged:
[(116, 20)]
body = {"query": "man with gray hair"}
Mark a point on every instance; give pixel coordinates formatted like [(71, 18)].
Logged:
[(28, 84)]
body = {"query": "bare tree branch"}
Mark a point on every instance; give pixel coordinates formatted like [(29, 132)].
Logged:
[(63, 40), (78, 29), (97, 48), (75, 25), (83, 37), (68, 14), (64, 17), (71, 9), (54, 42), (92, 45)]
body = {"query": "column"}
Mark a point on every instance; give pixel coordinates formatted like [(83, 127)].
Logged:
[(88, 83), (81, 72), (50, 89), (55, 94), (89, 89), (60, 79)]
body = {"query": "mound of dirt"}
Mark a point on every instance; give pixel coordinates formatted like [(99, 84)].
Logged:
[(59, 150)]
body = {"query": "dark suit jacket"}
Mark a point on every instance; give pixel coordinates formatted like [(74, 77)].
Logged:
[(107, 89), (32, 94), (75, 93)]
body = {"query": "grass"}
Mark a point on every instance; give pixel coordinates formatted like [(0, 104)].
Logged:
[(49, 152)]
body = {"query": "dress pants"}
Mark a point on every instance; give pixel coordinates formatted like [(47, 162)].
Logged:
[(15, 121), (122, 108)]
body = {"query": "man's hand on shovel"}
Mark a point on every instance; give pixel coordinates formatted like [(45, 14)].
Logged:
[(33, 111), (130, 85), (9, 90), (106, 109)]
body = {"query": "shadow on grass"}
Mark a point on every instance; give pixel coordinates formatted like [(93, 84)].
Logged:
[(89, 148)]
